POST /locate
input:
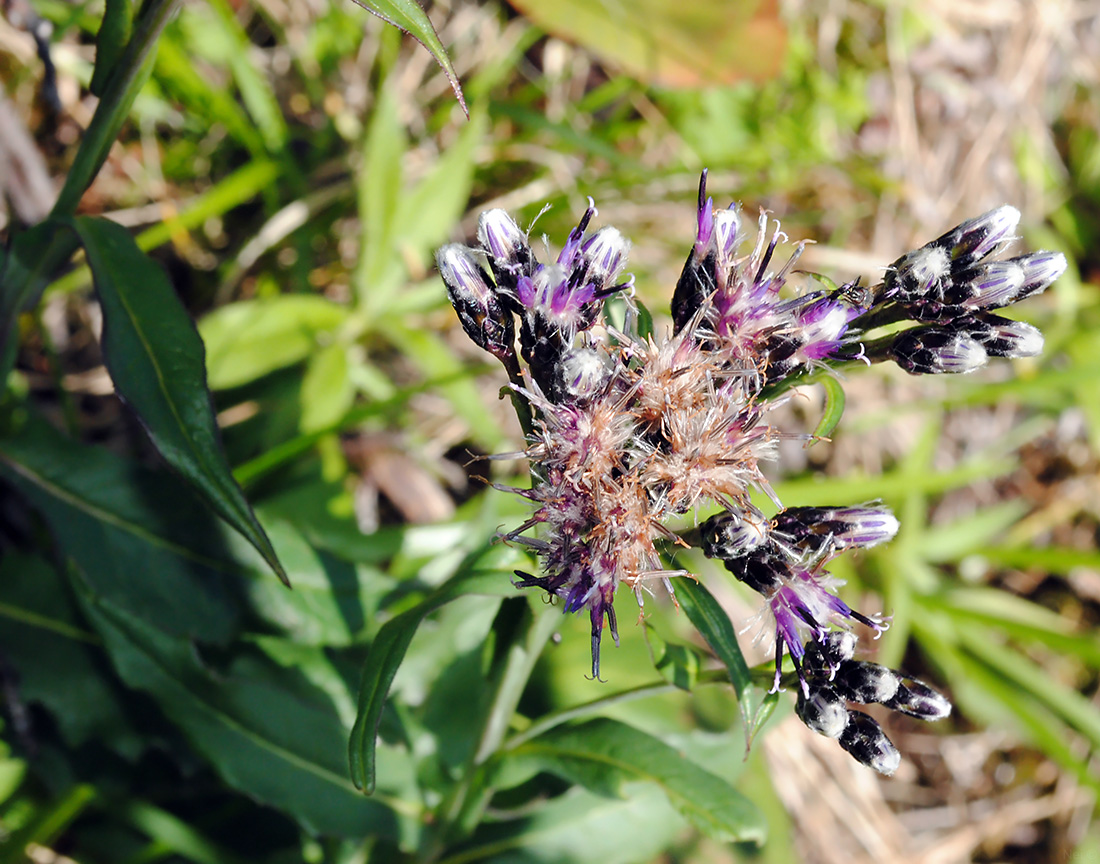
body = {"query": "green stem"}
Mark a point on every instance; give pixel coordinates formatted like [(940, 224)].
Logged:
[(128, 78), (466, 803)]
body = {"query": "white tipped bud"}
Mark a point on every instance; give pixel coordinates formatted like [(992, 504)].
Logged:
[(823, 710), (935, 350), (1041, 269), (605, 254), (499, 235), (864, 739), (983, 235)]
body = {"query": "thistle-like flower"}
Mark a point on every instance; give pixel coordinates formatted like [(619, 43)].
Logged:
[(630, 430)]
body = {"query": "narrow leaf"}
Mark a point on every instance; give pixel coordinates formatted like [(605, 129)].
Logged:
[(385, 656), (156, 360), (602, 755), (834, 407), (714, 625), (264, 729), (408, 16), (139, 535)]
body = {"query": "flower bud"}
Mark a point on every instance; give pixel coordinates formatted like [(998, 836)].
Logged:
[(1040, 270), (823, 658), (866, 683), (935, 350), (981, 236), (762, 569), (479, 309), (991, 285), (823, 710), (917, 699), (864, 739), (843, 527), (601, 258), (509, 253), (920, 274), (696, 282), (731, 535), (1002, 337)]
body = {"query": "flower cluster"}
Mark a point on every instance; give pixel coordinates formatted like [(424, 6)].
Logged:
[(628, 430)]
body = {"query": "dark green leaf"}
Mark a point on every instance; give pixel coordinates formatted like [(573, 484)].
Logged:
[(267, 731), (602, 755), (385, 656), (139, 536), (408, 16), (60, 663), (156, 360)]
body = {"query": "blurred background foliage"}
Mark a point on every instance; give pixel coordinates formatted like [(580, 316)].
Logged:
[(293, 166)]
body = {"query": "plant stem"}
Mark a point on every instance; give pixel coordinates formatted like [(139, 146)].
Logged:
[(122, 87), (467, 801)]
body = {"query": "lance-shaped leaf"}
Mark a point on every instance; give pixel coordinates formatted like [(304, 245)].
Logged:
[(156, 359), (139, 535), (714, 625), (602, 755), (388, 650), (265, 729), (408, 16)]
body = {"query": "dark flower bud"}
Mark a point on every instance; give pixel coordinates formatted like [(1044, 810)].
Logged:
[(1041, 269), (865, 741), (1002, 337), (823, 710), (479, 309), (763, 569), (824, 658), (921, 274), (580, 374), (696, 282), (988, 286), (917, 699), (979, 237), (731, 535), (936, 350), (843, 527), (866, 683)]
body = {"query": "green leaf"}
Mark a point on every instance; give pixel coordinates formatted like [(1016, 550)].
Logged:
[(110, 41), (580, 828), (156, 360), (671, 42), (834, 407), (59, 661), (327, 392), (677, 663), (386, 653), (267, 731), (602, 755), (714, 625), (139, 536), (251, 338), (408, 16)]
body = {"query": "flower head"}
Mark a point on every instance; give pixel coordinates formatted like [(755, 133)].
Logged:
[(633, 429)]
